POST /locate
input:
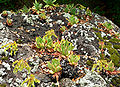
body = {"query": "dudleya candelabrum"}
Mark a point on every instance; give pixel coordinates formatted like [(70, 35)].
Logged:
[(31, 80), (103, 64), (19, 65), (49, 3), (70, 9), (12, 46), (73, 59), (64, 47), (46, 41), (54, 66), (73, 20), (108, 25)]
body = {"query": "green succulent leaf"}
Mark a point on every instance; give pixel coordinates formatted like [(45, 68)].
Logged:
[(37, 5), (108, 25), (54, 66), (73, 59), (20, 65), (12, 47), (64, 47), (31, 79), (73, 20), (103, 64)]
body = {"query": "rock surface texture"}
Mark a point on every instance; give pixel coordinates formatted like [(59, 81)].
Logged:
[(85, 36)]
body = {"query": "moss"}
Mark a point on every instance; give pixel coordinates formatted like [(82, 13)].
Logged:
[(114, 55), (114, 40), (116, 46), (116, 81), (99, 35), (95, 29), (2, 85), (4, 58), (102, 56), (105, 37), (89, 62), (19, 41), (115, 59)]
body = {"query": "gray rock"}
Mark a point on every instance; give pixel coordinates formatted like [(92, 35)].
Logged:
[(92, 79), (43, 78), (67, 82), (1, 25)]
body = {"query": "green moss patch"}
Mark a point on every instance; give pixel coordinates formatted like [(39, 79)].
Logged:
[(114, 40), (114, 55), (4, 58), (3, 85), (98, 34), (89, 62), (116, 81), (116, 46)]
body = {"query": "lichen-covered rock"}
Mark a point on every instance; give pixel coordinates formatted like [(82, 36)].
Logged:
[(92, 79), (66, 82)]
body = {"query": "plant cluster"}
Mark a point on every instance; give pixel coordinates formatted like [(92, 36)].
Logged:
[(103, 64), (64, 47), (37, 8), (31, 80), (49, 4), (12, 47), (107, 25), (70, 9), (4, 14), (46, 41), (73, 20), (9, 22), (19, 65)]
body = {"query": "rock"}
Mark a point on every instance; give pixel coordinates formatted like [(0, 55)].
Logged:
[(43, 78), (67, 82), (92, 79), (1, 25)]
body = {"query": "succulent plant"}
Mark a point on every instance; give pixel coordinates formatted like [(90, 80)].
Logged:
[(54, 66), (37, 5), (19, 65), (46, 41), (107, 25), (25, 9), (88, 12), (73, 20), (9, 22), (73, 59), (4, 14), (103, 64), (70, 9), (64, 47), (82, 7), (12, 47), (37, 8), (43, 15), (31, 80), (49, 3)]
